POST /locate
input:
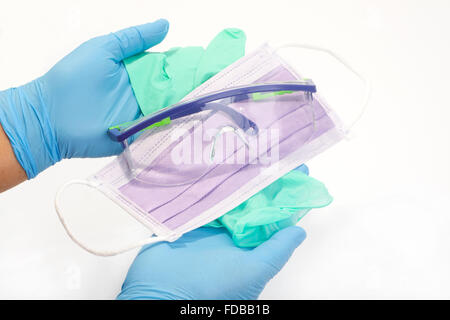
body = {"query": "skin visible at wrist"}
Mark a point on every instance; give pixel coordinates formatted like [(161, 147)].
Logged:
[(10, 170)]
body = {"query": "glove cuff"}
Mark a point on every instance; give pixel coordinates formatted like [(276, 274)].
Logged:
[(25, 121)]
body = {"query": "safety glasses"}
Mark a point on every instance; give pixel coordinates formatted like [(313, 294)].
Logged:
[(236, 126)]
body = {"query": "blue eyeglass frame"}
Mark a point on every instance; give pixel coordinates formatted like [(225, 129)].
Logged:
[(205, 102)]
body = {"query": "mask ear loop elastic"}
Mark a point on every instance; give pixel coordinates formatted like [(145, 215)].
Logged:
[(103, 253), (366, 82)]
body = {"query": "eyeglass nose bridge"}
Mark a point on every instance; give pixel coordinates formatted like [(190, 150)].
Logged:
[(222, 130)]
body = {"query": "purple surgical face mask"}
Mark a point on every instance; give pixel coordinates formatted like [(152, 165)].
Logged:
[(178, 177)]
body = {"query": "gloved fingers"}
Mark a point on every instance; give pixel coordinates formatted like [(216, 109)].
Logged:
[(278, 249), (133, 40)]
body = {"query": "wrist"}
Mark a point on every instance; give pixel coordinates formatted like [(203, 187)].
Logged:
[(26, 122), (11, 173)]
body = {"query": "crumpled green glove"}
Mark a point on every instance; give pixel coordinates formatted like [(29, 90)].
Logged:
[(281, 204), (160, 79)]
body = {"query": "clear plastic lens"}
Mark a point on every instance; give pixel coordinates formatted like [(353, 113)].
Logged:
[(232, 133)]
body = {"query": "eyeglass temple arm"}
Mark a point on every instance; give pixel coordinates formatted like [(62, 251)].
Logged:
[(191, 107), (238, 118)]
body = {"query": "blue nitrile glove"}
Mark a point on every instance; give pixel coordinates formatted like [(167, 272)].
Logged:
[(66, 112), (206, 264)]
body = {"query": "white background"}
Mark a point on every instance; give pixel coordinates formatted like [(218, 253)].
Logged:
[(386, 235)]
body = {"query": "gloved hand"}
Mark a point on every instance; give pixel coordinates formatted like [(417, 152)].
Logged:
[(66, 112), (205, 264)]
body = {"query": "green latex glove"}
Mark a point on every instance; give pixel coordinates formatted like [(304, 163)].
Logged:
[(279, 205), (160, 79)]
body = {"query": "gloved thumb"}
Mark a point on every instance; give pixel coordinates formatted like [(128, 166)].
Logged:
[(134, 40), (276, 251)]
